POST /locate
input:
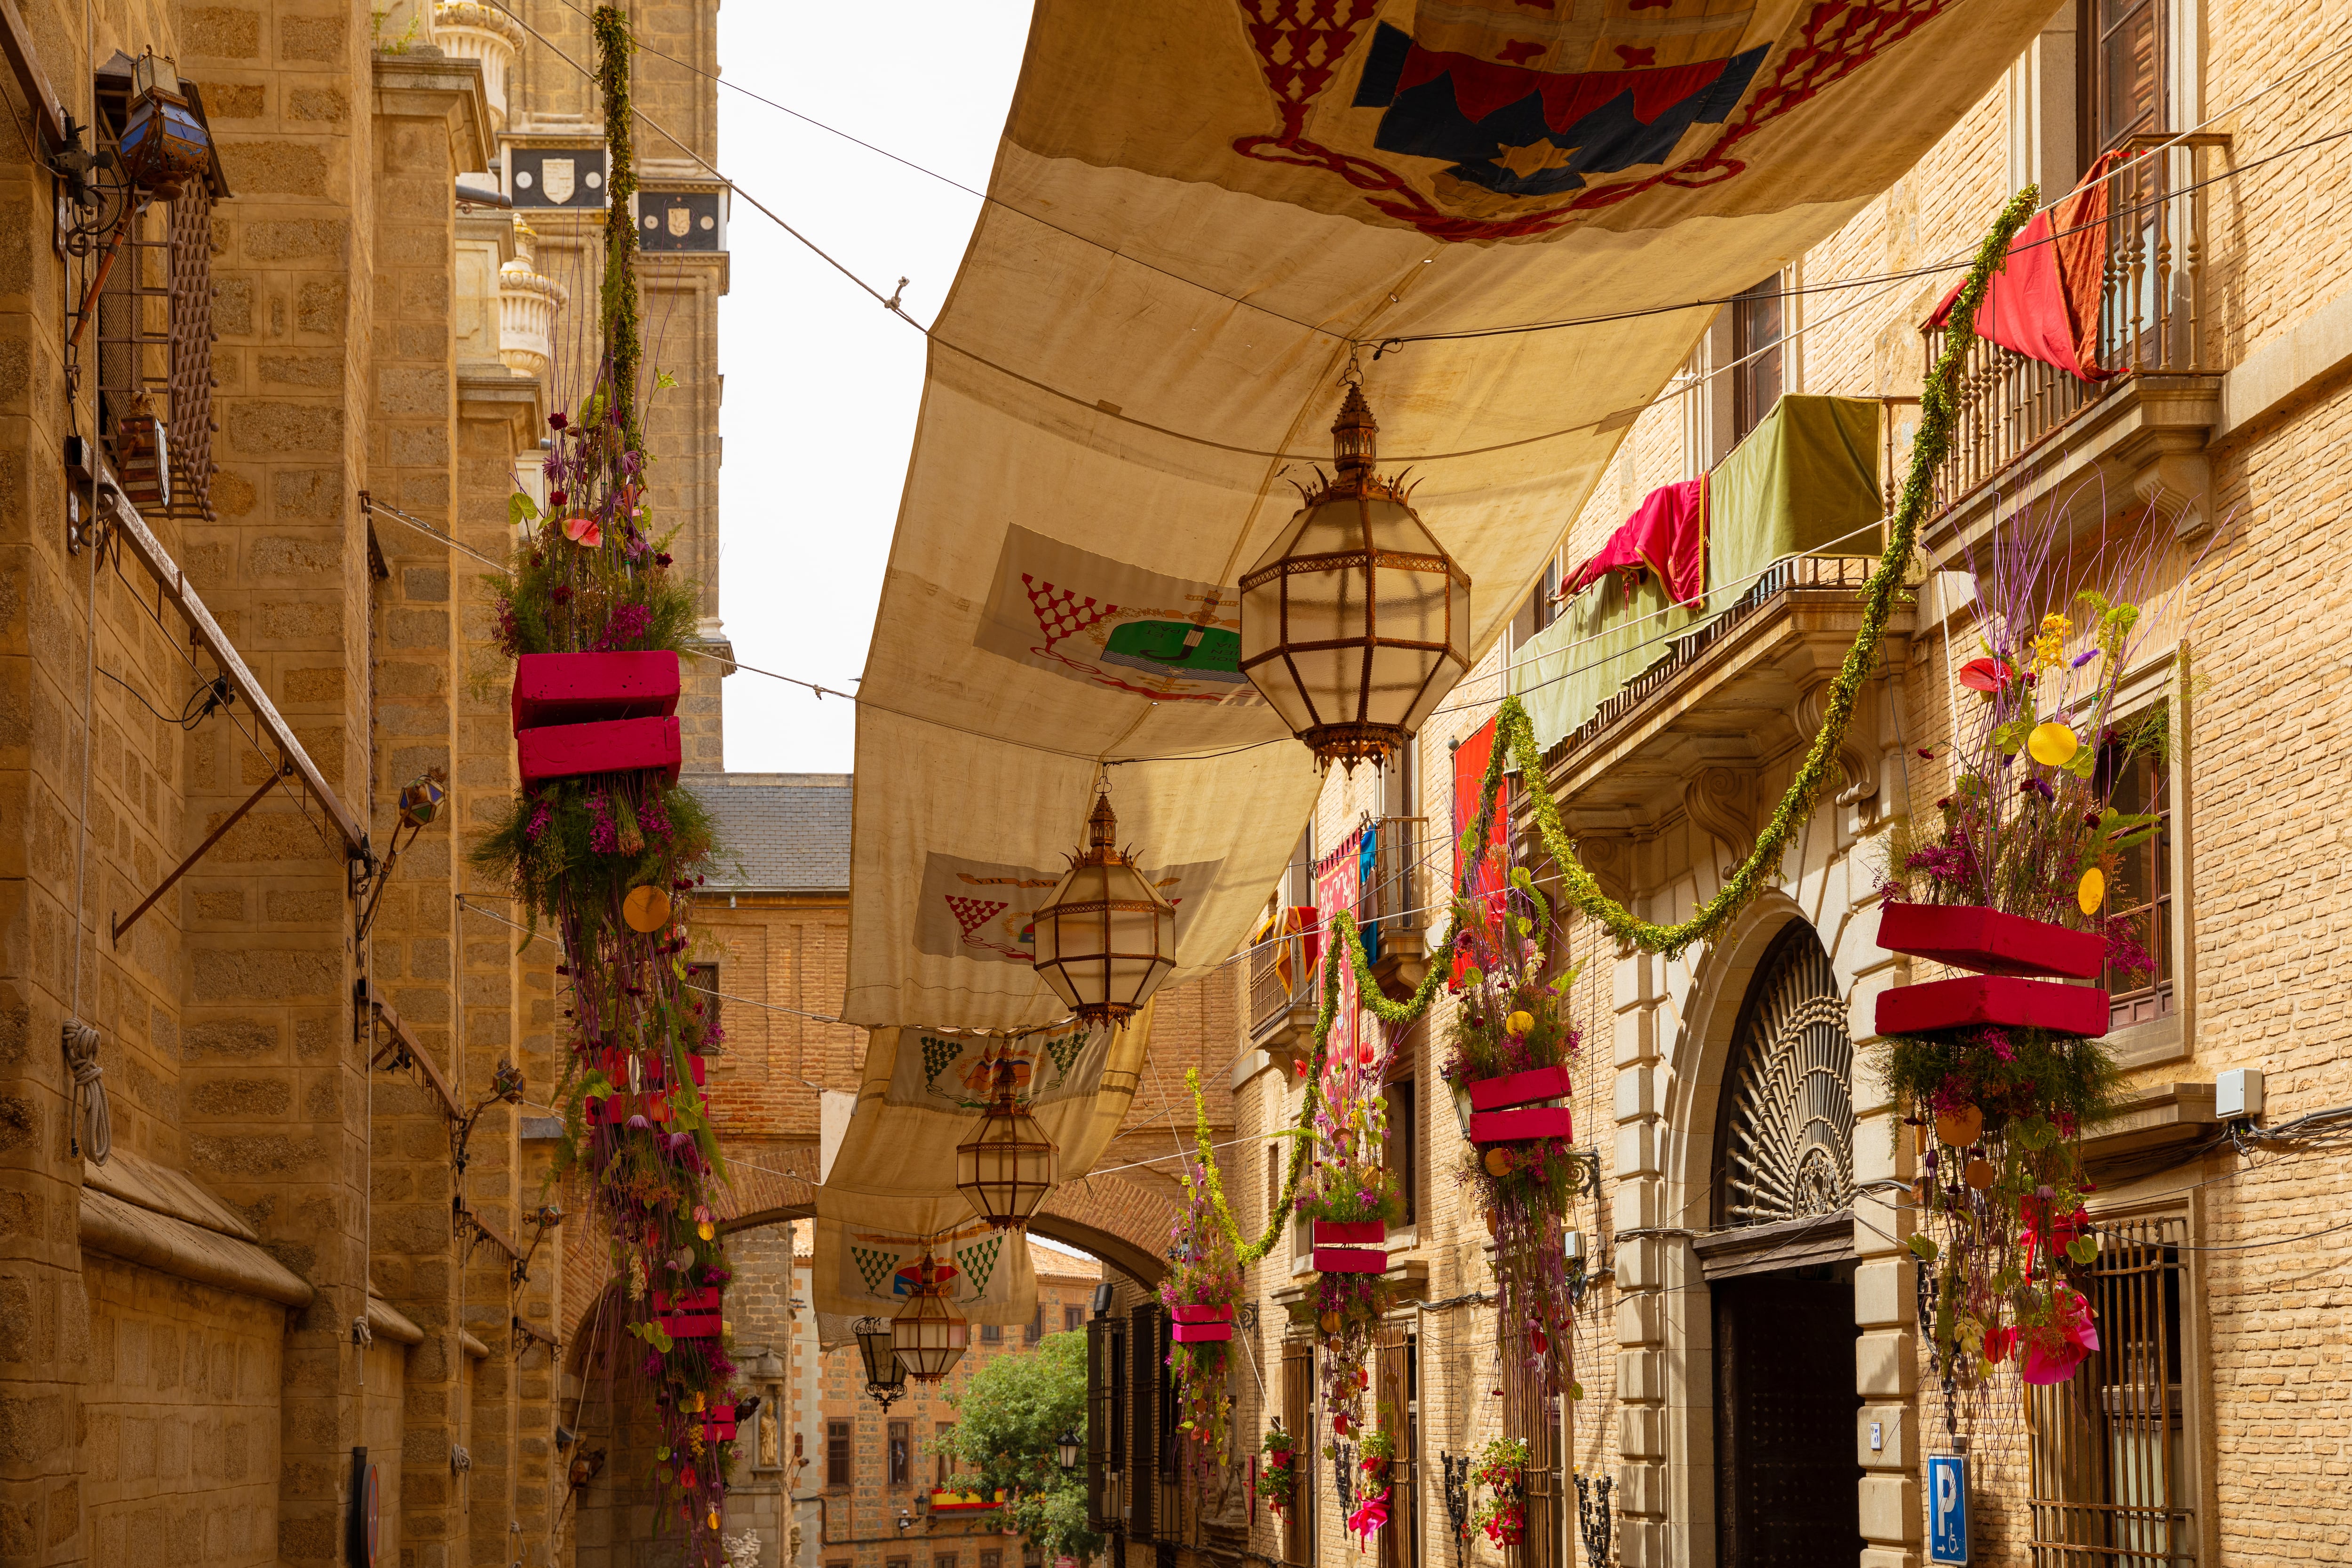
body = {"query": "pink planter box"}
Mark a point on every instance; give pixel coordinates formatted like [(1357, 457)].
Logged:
[(614, 1109), (1204, 1333), (689, 1314), (1196, 1314), (1515, 1126), (1352, 1246), (1976, 999), (716, 1428), (1988, 941), (580, 688), (614, 746), (652, 1071), (1518, 1088)]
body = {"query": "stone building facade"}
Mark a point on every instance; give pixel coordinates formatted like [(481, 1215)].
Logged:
[(316, 1252), (2204, 1441)]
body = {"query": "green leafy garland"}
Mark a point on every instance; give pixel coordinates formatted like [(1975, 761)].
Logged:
[(623, 318)]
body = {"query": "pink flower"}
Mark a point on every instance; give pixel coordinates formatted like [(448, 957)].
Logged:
[(583, 531)]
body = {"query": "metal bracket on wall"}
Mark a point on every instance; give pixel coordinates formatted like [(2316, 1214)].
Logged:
[(285, 770)]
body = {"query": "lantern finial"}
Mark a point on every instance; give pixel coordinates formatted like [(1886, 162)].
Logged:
[(1354, 436), (1102, 832)]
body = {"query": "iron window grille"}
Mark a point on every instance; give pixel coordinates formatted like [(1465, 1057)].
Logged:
[(2113, 1446)]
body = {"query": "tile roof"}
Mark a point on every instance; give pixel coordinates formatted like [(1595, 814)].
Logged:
[(778, 833)]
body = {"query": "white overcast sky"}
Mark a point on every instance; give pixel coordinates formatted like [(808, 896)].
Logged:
[(821, 384)]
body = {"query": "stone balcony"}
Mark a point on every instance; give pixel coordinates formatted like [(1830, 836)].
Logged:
[(1691, 734), (2032, 435)]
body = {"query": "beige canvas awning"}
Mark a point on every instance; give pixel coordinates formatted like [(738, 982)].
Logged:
[(1197, 203)]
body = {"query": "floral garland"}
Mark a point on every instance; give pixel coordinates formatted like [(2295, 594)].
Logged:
[(1501, 1472), (1278, 1480), (1370, 1515), (611, 861), (1202, 1273)]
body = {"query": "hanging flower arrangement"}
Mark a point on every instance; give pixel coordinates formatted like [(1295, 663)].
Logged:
[(1509, 1054), (606, 849), (1203, 1285), (1350, 1197), (1277, 1476), (1501, 1473), (1373, 1462), (2000, 1068)]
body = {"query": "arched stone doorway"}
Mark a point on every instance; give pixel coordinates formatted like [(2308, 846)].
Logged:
[(1779, 1266)]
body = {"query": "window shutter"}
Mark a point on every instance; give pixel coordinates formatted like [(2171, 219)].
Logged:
[(1143, 1420), (1396, 1394), (1298, 1420)]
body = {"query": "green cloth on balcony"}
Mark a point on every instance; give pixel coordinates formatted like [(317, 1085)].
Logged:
[(1604, 639), (1803, 480), (1805, 477)]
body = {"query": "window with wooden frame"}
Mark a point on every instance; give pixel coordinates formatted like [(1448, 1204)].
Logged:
[(1106, 1419), (2135, 761), (1531, 1410), (2115, 1446), (152, 339), (836, 1454), (943, 1464), (1402, 1151), (1758, 326), (2120, 90), (943, 1560), (1072, 1319), (901, 1455), (991, 1560), (705, 978), (992, 1333), (1036, 1329), (1298, 1420)]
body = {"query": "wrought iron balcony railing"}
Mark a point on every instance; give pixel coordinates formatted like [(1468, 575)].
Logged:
[(2154, 318)]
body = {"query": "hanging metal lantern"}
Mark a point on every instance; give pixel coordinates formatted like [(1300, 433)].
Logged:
[(162, 144), (1356, 623), (1006, 1168), (886, 1375), (927, 1335), (1106, 937)]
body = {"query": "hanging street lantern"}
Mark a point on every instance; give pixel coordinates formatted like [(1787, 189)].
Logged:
[(886, 1375), (1066, 1449), (1006, 1168), (1105, 936), (927, 1335), (1356, 623)]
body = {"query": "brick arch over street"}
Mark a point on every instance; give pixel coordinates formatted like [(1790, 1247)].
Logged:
[(1121, 1221)]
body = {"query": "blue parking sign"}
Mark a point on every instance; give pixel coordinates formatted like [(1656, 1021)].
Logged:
[(1948, 1507)]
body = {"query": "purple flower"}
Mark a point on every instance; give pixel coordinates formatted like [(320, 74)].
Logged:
[(639, 1124), (540, 814), (1996, 1039), (2084, 657)]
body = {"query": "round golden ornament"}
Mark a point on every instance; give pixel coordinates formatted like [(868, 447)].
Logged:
[(1521, 1023), (1498, 1162), (2092, 890), (2053, 743), (1961, 1128), (646, 908), (1979, 1175)]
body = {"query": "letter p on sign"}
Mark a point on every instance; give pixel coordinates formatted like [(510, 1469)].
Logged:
[(1948, 1509)]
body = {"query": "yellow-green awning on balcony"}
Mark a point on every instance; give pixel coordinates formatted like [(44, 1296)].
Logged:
[(1804, 482)]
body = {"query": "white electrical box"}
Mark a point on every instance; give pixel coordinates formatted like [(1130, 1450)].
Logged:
[(2238, 1094)]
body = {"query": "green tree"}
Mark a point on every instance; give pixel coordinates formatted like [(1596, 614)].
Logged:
[(1013, 1413)]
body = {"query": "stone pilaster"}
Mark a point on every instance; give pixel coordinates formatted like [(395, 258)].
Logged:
[(1886, 1349), (1639, 987)]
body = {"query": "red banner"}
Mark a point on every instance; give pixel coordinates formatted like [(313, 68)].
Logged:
[(1338, 884), (1487, 878)]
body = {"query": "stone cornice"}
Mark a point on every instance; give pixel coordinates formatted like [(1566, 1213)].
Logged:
[(427, 86)]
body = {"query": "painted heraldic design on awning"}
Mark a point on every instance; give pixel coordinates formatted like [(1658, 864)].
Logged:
[(1197, 203)]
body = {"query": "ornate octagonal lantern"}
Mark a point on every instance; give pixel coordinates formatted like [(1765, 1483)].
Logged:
[(927, 1335), (1106, 937), (886, 1376), (1356, 623), (1006, 1168)]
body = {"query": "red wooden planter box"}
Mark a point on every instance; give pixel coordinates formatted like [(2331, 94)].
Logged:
[(652, 1070), (2004, 1000), (1967, 936), (1518, 1088), (614, 746), (1201, 1325), (1352, 1246), (689, 1314), (1527, 1121), (614, 1109), (580, 688), (718, 1426)]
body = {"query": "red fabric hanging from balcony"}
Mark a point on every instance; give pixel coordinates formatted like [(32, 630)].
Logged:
[(1667, 534), (2044, 300)]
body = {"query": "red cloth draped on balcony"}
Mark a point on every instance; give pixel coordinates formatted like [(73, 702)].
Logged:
[(1666, 535), (2044, 300)]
